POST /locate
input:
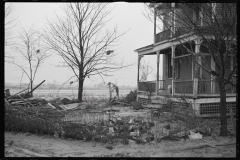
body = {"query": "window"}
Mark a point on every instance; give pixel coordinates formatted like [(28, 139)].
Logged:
[(169, 62)]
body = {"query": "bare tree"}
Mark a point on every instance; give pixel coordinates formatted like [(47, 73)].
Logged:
[(9, 24), (32, 54), (79, 38), (215, 26)]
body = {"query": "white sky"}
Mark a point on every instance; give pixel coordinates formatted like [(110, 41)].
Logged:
[(125, 15)]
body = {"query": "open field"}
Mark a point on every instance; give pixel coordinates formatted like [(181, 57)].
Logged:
[(72, 93)]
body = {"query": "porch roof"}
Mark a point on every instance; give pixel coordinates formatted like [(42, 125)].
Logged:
[(144, 48)]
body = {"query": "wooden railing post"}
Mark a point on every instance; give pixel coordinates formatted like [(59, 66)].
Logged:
[(195, 87)]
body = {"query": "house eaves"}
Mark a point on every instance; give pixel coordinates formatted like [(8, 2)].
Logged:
[(144, 48)]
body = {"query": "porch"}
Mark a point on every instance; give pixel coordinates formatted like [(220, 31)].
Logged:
[(191, 88)]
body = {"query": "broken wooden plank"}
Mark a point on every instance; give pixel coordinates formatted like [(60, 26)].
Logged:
[(17, 93), (36, 86), (26, 101), (122, 103)]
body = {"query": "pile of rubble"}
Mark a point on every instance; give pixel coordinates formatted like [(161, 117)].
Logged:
[(130, 122)]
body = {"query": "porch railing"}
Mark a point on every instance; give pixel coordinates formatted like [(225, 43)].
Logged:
[(148, 86), (203, 87), (164, 35), (184, 87)]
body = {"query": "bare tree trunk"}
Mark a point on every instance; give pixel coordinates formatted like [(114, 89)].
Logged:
[(80, 89), (80, 84), (223, 109), (31, 85)]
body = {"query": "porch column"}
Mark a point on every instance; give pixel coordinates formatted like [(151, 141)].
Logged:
[(154, 29), (198, 58), (173, 68), (212, 77), (157, 84), (138, 62), (197, 68)]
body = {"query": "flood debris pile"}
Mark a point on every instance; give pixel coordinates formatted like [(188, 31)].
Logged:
[(107, 122)]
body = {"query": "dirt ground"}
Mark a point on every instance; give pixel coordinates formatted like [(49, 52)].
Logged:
[(29, 145)]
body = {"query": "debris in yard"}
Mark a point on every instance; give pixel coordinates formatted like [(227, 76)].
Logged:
[(51, 105), (65, 101), (195, 135), (107, 123), (165, 131), (136, 134), (168, 138), (7, 93), (226, 144), (72, 106), (109, 147), (111, 131), (10, 143), (198, 147), (136, 105)]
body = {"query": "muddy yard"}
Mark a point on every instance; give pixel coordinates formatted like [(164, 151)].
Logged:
[(29, 145)]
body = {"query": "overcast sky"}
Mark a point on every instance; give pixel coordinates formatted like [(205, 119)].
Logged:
[(125, 15)]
